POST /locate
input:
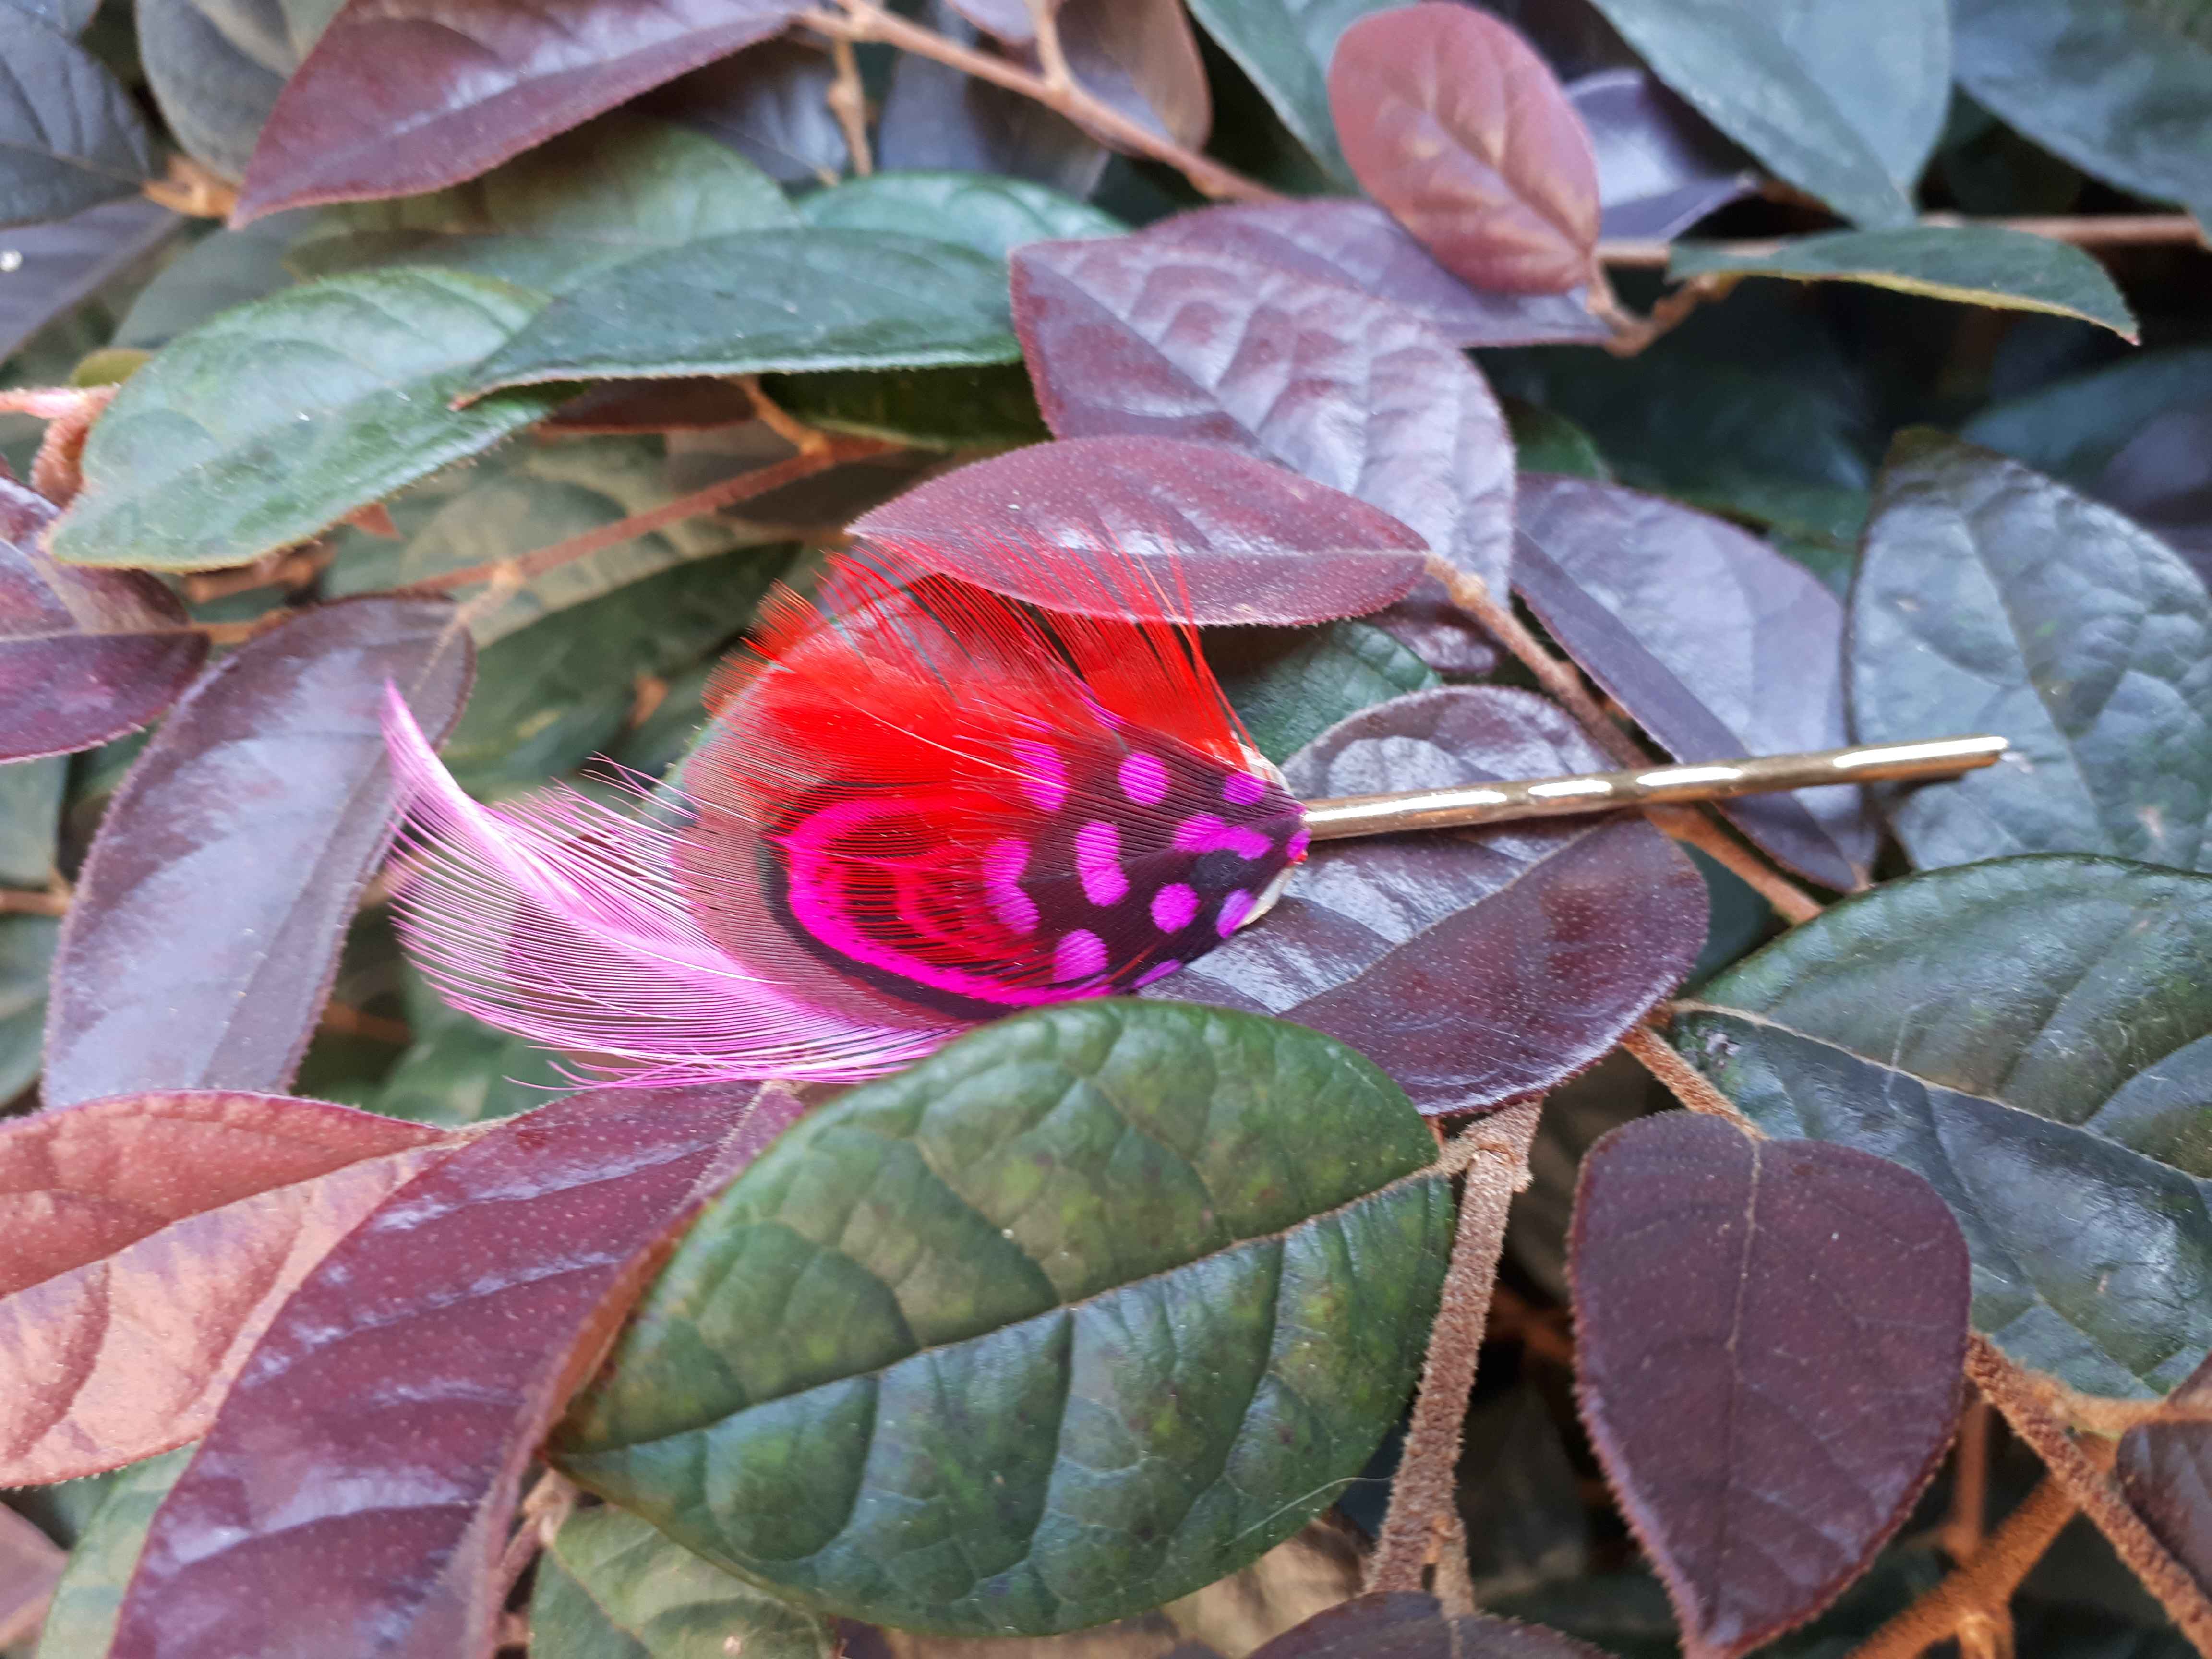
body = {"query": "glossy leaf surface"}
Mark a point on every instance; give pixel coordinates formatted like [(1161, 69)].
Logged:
[(85, 655), (1450, 120), (1131, 336), (64, 262), (1660, 167), (1253, 543), (150, 1240), (1974, 265), (1991, 598), (207, 918), (1286, 46), (992, 215), (2032, 1036), (465, 1305), (404, 96), (69, 137), (272, 422), (1717, 645), (769, 104), (1078, 1314), (1401, 1624), (1474, 967), (1768, 1341)]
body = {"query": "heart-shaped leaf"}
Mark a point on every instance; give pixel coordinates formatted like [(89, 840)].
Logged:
[(1132, 335), (1660, 167), (1768, 1338), (1450, 120), (272, 422), (2032, 1036), (149, 1241), (1401, 1624), (81, 1624), (992, 215), (1990, 599), (207, 918), (65, 263), (1717, 645), (1080, 1314), (1474, 967), (1251, 542), (85, 655), (404, 96), (69, 136), (421, 1361)]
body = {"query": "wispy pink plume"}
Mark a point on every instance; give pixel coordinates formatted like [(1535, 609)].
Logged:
[(564, 920)]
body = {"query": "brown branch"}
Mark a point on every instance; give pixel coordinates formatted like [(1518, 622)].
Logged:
[(2013, 1392), (1682, 1080), (16, 901), (1495, 1152), (1962, 1533), (190, 189), (863, 19), (2084, 230), (848, 104), (341, 1020)]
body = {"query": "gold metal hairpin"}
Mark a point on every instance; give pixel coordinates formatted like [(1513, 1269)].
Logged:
[(1502, 802)]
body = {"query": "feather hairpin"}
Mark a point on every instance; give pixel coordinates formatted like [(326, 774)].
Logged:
[(918, 805)]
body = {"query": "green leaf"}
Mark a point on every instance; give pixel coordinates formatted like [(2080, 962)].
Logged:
[(2121, 88), (1989, 598), (1284, 45), (663, 738), (26, 953), (271, 423), (1844, 101), (612, 1587), (551, 695), (1974, 265), (768, 300), (990, 215), (2033, 1035), (81, 1623), (30, 818), (930, 408), (459, 1070), (225, 269), (525, 497), (2073, 428), (1291, 684), (1545, 441), (1084, 1312)]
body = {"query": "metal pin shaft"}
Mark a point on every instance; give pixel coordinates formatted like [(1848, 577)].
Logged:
[(1603, 792)]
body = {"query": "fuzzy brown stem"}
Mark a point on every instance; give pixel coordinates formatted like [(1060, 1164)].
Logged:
[(1963, 1532), (15, 901), (848, 104), (1682, 1080), (1495, 1150)]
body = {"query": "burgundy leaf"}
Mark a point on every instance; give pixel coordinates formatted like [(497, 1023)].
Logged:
[(1400, 1625), (208, 919), (1428, 624), (2166, 1469), (373, 1448), (1255, 543), (1768, 1342), (30, 1566), (1141, 57), (1661, 166), (1126, 334), (1474, 967), (146, 1241), (770, 104), (85, 655), (1717, 645), (1009, 21), (1358, 245), (1453, 122), (403, 96)]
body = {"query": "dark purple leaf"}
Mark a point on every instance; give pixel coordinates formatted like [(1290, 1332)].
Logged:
[(1255, 543), (1661, 166), (1359, 246), (2163, 480), (1128, 335), (2166, 1469), (208, 919), (1769, 1337), (1428, 624), (1453, 122), (1009, 21), (85, 655), (371, 1451), (404, 96), (769, 103), (1141, 57), (67, 260), (1717, 645), (1400, 1624), (1474, 967)]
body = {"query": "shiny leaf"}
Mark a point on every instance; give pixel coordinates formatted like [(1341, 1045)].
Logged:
[(1402, 1624), (1475, 968), (992, 215), (207, 920), (1660, 167), (1990, 599), (215, 67), (1251, 542), (1141, 58), (1078, 1314), (1290, 684), (2033, 1036), (2166, 1470), (225, 269), (1285, 45), (769, 103), (65, 263), (69, 137), (1768, 1338), (81, 1624)]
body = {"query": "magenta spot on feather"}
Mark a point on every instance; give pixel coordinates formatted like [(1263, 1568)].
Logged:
[(1234, 909), (1295, 848), (1004, 860), (1043, 774), (1202, 832), (1242, 789), (1080, 955), (1098, 863), (1157, 970), (1173, 907), (1143, 780)]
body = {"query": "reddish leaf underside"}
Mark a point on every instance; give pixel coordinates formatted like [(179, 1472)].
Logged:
[(1253, 541), (208, 919), (85, 655), (1768, 1341), (404, 96), (375, 1444), (2166, 1469), (146, 1241), (1453, 122)]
